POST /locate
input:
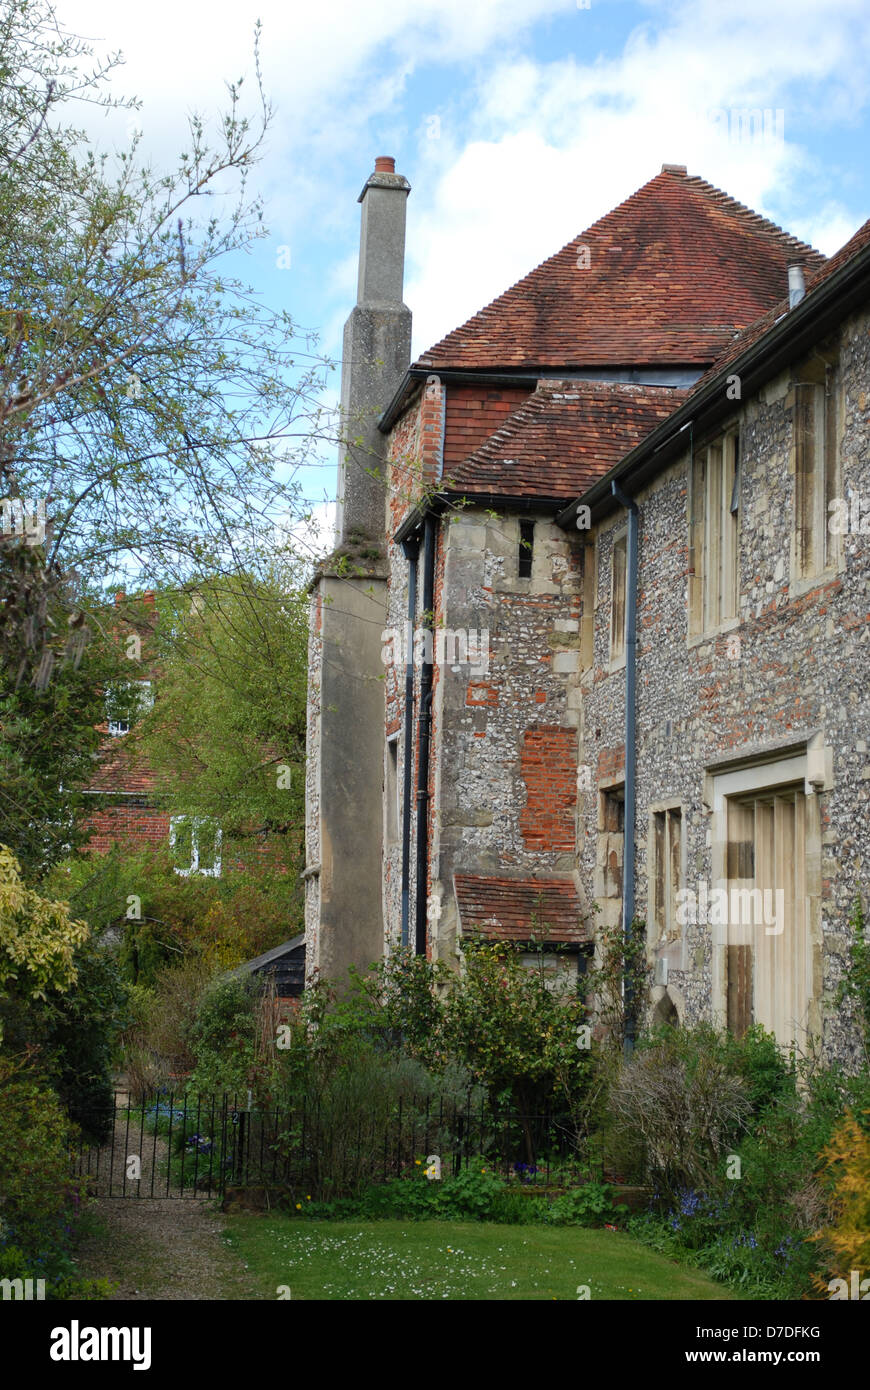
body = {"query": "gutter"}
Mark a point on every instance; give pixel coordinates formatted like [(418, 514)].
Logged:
[(411, 548), (437, 504), (628, 846), (424, 739), (679, 374), (793, 333)]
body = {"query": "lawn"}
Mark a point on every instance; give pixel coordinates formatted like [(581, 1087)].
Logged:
[(465, 1260)]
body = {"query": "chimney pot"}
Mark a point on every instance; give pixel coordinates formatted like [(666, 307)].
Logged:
[(796, 284), (385, 164), (119, 598), (148, 597), (674, 169)]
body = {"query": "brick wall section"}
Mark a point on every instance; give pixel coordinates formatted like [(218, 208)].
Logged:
[(138, 826), (431, 430), (549, 769), (474, 412)]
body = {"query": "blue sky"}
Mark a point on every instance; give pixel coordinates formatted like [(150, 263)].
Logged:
[(517, 123)]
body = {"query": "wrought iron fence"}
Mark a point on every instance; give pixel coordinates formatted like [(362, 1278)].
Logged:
[(175, 1144)]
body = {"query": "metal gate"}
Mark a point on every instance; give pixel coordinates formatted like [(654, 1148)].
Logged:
[(170, 1144)]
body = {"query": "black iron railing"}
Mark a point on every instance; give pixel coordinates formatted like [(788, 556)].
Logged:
[(176, 1144)]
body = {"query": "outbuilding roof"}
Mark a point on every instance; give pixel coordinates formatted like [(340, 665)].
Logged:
[(519, 909), (563, 437)]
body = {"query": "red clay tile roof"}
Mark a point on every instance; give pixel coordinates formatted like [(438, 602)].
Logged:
[(563, 437), (814, 278), (673, 272), (510, 909)]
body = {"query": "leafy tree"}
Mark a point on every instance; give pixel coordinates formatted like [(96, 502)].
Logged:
[(48, 742), (226, 734), (172, 917), (153, 403)]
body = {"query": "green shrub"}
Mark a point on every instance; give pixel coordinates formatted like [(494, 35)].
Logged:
[(39, 1201), (590, 1205), (223, 1037)]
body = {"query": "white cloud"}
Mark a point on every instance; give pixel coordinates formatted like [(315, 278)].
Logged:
[(551, 147)]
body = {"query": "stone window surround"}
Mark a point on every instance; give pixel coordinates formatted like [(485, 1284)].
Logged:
[(392, 830), (617, 534), (673, 949), (809, 761), (697, 633), (800, 584)]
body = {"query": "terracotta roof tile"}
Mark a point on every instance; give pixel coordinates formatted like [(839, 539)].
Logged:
[(673, 272), (563, 437), (816, 277), (510, 909)]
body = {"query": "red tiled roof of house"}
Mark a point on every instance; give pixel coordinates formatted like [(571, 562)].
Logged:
[(816, 277), (509, 909), (563, 437), (672, 273)]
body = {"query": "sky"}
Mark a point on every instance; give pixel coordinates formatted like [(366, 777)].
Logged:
[(518, 123)]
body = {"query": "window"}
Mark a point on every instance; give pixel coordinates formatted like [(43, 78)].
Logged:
[(392, 790), (768, 954), (196, 843), (526, 549), (617, 598), (125, 702), (666, 871), (713, 533), (816, 467)]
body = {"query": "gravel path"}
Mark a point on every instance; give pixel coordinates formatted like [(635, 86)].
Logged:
[(161, 1248)]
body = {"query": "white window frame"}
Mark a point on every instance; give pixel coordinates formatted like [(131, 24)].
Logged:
[(197, 822), (118, 727)]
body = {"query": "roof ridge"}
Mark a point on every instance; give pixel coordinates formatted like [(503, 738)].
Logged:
[(719, 195)]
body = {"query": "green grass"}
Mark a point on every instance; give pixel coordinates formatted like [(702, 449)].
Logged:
[(465, 1260)]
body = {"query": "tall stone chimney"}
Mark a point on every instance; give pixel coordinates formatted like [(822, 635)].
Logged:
[(376, 354), (344, 771)]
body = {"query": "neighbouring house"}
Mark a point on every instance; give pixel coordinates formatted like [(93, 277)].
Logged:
[(126, 806), (596, 630), (129, 807)]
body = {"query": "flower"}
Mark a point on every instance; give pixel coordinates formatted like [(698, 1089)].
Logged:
[(298, 1206), (308, 1199), (417, 1161)]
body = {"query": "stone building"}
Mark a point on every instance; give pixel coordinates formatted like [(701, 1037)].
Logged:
[(609, 645)]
